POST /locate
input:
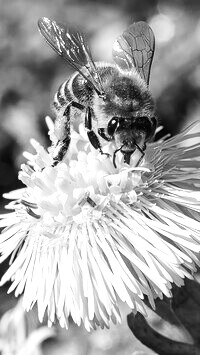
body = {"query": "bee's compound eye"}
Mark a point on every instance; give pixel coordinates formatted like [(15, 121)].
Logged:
[(112, 126)]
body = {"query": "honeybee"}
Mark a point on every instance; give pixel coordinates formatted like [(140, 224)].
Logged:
[(113, 100)]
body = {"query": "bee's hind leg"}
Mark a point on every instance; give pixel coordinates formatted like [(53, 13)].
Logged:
[(94, 140), (62, 146), (60, 150)]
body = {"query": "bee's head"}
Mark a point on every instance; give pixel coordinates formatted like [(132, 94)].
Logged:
[(131, 133)]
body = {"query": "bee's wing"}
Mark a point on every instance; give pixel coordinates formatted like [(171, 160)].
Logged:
[(135, 49), (73, 48)]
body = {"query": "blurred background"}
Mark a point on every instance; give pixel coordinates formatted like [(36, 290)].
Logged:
[(30, 73)]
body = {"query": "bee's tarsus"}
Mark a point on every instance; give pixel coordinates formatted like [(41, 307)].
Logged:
[(55, 162), (107, 154)]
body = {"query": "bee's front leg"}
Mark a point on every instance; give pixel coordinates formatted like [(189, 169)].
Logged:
[(94, 140)]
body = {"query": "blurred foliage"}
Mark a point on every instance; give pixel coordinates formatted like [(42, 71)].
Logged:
[(174, 328), (31, 72)]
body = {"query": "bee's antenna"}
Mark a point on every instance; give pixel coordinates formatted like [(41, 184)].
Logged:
[(140, 149), (142, 152), (114, 155)]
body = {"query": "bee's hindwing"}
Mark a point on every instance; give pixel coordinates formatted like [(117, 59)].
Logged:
[(135, 49)]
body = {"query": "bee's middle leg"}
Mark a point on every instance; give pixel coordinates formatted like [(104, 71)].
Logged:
[(93, 138)]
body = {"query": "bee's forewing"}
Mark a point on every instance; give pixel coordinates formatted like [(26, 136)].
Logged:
[(135, 49), (72, 46), (67, 44), (48, 30)]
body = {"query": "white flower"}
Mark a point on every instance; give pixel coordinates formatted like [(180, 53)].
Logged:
[(85, 234)]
